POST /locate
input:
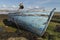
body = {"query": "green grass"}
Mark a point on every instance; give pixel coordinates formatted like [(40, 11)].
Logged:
[(8, 29), (51, 28), (1, 23)]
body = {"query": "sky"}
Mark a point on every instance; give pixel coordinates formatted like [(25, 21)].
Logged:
[(47, 4)]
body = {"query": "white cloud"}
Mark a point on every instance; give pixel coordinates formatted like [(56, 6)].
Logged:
[(38, 2), (30, 7), (4, 6), (14, 6), (36, 6)]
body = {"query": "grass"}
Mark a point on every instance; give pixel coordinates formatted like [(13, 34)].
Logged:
[(1, 23), (7, 28), (51, 28), (10, 29)]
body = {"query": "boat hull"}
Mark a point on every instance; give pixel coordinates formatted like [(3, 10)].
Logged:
[(35, 22)]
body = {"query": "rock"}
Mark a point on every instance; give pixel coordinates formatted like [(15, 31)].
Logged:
[(17, 38), (6, 26), (39, 39)]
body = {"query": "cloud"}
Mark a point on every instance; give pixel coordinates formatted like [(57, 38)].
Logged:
[(14, 6), (4, 5), (37, 3), (8, 7), (33, 4), (36, 6), (31, 7)]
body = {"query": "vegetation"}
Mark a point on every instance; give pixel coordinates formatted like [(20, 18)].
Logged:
[(50, 30)]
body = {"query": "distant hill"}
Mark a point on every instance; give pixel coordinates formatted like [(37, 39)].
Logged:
[(56, 15), (3, 16), (57, 12)]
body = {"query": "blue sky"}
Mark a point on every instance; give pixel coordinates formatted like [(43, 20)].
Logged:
[(31, 3)]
